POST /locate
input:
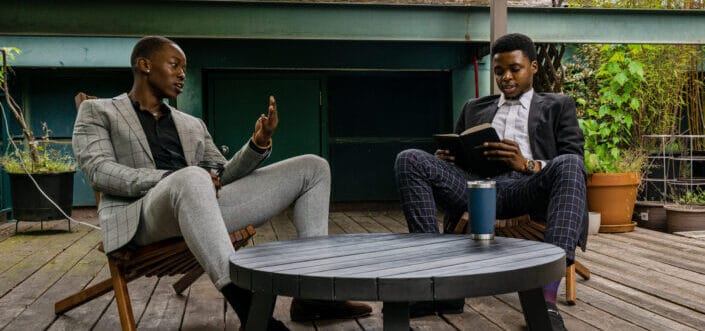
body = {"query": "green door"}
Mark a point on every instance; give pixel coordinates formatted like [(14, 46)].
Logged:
[(235, 101)]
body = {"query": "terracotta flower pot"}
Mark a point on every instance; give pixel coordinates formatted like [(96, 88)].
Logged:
[(613, 196)]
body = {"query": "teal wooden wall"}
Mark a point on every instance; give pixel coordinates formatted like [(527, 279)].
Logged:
[(320, 39), (46, 84)]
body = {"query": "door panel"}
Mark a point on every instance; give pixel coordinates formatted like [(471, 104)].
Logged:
[(375, 115), (236, 100)]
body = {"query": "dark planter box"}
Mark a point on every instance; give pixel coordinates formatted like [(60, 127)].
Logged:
[(28, 204)]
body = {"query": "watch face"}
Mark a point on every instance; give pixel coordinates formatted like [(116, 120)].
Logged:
[(531, 165)]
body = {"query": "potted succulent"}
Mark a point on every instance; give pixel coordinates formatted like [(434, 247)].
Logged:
[(687, 213), (35, 162)]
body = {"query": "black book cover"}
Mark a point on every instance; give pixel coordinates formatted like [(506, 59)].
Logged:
[(468, 150)]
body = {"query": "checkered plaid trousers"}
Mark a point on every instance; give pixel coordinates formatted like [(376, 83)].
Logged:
[(555, 194)]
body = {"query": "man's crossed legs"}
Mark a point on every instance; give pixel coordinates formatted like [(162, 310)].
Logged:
[(184, 204), (555, 194)]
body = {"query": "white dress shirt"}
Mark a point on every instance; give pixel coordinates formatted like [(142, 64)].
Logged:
[(512, 122)]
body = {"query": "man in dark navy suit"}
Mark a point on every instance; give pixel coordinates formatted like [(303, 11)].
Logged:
[(541, 143)]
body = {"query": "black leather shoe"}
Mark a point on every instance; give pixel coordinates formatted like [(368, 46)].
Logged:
[(310, 310), (555, 317)]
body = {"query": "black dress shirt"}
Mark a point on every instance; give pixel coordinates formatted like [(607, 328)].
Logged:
[(162, 137)]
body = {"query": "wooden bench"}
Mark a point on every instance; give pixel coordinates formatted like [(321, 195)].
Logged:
[(165, 258), (524, 228)]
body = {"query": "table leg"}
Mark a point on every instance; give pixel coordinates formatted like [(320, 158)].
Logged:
[(261, 310), (535, 311), (396, 316)]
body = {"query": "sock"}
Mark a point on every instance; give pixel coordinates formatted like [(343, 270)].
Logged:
[(550, 292)]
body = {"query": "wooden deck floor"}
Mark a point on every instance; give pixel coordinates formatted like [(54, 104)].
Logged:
[(640, 280)]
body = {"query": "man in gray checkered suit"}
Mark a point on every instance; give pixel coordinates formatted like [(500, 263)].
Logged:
[(542, 147), (141, 154)]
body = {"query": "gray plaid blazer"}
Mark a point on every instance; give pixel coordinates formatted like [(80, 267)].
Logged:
[(112, 150)]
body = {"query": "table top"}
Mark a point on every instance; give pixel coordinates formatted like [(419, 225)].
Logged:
[(396, 267)]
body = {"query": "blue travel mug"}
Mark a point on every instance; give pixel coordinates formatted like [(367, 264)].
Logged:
[(482, 204)]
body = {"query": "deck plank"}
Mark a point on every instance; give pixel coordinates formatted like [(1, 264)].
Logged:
[(28, 256), (628, 311), (471, 319), (498, 312), (140, 290), (205, 307), (645, 279), (40, 314), (388, 222), (347, 223), (87, 315), (573, 322), (367, 222), (646, 301), (34, 279), (163, 305), (689, 258), (642, 280)]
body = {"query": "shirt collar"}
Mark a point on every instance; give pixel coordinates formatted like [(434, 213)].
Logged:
[(166, 111), (525, 99)]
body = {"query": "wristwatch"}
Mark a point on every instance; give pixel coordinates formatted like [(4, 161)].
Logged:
[(530, 167)]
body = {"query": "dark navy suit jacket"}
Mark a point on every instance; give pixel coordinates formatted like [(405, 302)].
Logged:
[(553, 123), (553, 128)]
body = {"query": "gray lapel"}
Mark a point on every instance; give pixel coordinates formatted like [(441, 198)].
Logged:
[(534, 112), (125, 108), (187, 143)]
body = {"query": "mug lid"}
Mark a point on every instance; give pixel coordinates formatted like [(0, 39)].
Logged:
[(481, 184)]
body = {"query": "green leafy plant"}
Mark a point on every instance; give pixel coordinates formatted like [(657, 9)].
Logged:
[(675, 88), (690, 198), (607, 124), (34, 158)]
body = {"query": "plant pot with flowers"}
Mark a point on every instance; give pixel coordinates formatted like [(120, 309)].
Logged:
[(34, 165)]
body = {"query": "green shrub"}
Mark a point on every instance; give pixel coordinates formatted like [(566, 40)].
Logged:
[(50, 161)]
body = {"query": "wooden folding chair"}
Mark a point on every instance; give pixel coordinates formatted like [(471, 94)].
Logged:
[(165, 258), (524, 228)]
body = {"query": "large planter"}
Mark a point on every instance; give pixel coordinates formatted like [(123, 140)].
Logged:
[(613, 196), (28, 204), (681, 218), (650, 215)]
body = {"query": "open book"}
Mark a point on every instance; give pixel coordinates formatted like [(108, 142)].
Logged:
[(468, 150)]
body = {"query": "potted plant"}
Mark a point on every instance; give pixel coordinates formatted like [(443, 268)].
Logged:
[(612, 161), (36, 164), (687, 213)]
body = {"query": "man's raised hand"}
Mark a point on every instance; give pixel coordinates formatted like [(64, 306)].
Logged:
[(265, 125)]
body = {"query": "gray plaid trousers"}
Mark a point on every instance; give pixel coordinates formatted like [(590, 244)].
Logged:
[(555, 194)]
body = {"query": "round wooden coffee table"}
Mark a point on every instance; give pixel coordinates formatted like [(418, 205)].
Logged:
[(397, 269)]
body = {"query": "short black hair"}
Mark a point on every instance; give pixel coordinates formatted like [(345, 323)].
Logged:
[(147, 46), (512, 42)]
